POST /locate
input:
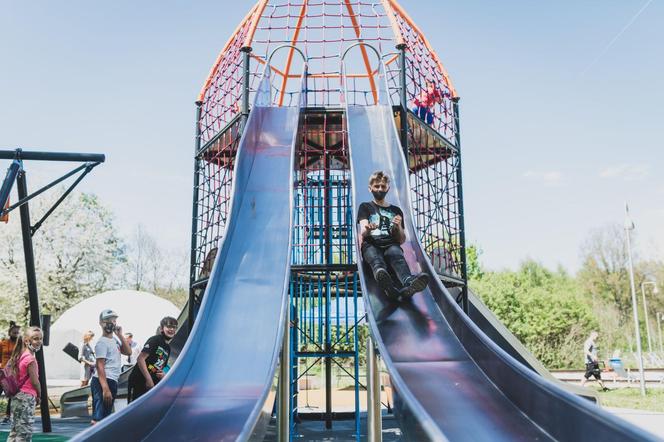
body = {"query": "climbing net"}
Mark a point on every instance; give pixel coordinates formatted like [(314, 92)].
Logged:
[(323, 30)]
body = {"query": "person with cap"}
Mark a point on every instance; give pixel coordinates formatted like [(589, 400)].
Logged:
[(109, 350)]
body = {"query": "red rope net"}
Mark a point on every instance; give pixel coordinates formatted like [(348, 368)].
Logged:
[(323, 30)]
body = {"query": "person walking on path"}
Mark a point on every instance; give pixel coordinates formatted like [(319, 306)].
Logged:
[(592, 361)]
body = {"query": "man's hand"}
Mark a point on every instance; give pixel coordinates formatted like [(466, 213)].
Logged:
[(108, 397), (118, 330), (369, 227), (160, 374), (397, 220)]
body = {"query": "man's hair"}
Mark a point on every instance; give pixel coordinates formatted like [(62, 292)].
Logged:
[(379, 176), (129, 335)]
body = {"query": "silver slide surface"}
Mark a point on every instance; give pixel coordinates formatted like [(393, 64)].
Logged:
[(218, 389), (451, 381), (499, 334)]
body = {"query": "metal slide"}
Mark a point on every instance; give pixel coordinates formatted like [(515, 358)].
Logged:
[(505, 339), (220, 388), (451, 381)]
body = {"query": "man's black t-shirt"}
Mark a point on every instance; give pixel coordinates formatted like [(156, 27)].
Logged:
[(382, 217), (158, 351)]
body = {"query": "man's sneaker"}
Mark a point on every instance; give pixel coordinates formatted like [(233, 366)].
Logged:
[(385, 282), (414, 284), (7, 420)]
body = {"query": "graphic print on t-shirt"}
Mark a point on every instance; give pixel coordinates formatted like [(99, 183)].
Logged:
[(158, 353), (383, 219)]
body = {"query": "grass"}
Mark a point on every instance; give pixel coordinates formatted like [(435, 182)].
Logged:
[(631, 398)]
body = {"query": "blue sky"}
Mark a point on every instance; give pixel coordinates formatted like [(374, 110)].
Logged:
[(561, 110)]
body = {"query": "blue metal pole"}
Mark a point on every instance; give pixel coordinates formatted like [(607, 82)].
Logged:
[(8, 183)]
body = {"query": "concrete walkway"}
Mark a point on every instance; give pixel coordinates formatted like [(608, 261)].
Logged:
[(651, 421)]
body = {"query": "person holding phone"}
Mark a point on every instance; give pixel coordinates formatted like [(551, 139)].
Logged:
[(109, 350)]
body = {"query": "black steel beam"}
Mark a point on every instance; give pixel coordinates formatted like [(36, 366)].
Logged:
[(19, 154)]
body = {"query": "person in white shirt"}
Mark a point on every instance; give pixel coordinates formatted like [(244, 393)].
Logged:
[(592, 361), (108, 350)]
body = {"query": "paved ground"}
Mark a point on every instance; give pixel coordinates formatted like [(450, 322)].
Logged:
[(342, 431), (648, 420)]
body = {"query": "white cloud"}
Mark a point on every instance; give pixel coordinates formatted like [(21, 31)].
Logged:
[(550, 177), (627, 172)]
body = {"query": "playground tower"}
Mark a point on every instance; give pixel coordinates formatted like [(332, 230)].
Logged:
[(326, 315)]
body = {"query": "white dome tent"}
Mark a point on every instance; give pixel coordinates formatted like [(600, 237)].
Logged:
[(139, 313)]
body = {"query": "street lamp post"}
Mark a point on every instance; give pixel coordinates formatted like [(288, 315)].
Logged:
[(645, 308), (629, 226)]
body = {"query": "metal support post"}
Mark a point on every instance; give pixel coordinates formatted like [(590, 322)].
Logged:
[(374, 423), (33, 295), (245, 80), (660, 316), (404, 99), (283, 411), (462, 225), (645, 309), (629, 225), (191, 306)]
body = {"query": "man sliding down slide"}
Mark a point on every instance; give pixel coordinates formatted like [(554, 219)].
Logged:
[(381, 235)]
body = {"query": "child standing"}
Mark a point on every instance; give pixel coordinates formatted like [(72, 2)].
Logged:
[(151, 362), (25, 401), (108, 350), (86, 357), (425, 101)]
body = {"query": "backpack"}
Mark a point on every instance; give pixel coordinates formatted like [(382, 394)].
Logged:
[(9, 381)]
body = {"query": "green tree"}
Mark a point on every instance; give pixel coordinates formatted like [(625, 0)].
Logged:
[(542, 308), (77, 254), (473, 265)]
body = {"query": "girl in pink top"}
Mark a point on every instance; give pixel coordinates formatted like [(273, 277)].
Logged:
[(425, 101), (25, 401)]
